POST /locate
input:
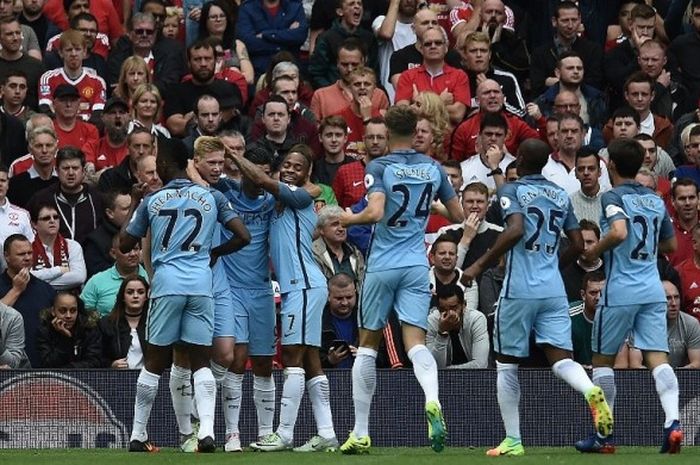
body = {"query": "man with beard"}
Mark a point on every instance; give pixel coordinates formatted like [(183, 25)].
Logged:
[(183, 96), (394, 32), (32, 15), (111, 148)]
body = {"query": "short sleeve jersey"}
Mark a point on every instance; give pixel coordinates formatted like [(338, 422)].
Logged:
[(532, 267), (290, 241), (632, 274), (183, 219), (249, 267), (410, 181)]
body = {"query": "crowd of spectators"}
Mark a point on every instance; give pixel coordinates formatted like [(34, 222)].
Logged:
[(93, 89)]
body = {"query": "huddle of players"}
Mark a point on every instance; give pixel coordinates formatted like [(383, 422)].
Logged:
[(262, 215)]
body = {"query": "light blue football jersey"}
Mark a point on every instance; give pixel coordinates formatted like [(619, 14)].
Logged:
[(183, 220), (410, 181), (630, 268), (249, 267), (532, 266), (290, 241)]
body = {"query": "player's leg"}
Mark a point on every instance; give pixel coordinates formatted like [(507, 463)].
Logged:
[(181, 397), (376, 301), (650, 336), (511, 341), (262, 321), (197, 332), (553, 332), (412, 304), (293, 315), (316, 381), (229, 323), (162, 330), (318, 388)]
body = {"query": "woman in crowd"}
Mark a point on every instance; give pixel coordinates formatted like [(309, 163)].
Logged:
[(123, 329), (218, 19), (68, 336), (146, 104), (57, 260), (133, 73)]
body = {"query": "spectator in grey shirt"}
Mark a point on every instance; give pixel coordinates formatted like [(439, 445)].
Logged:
[(12, 354)]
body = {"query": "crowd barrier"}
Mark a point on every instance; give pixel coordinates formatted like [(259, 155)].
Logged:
[(94, 408)]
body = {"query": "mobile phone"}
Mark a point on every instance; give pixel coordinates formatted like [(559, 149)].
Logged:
[(340, 345)]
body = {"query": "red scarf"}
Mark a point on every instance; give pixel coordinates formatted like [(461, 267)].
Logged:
[(60, 253)]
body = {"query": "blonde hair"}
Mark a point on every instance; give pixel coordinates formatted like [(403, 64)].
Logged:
[(72, 37), (41, 130), (139, 92), (432, 108), (207, 144), (131, 63)]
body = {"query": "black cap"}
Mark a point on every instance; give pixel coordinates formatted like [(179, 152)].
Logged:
[(115, 102), (66, 90), (228, 95)]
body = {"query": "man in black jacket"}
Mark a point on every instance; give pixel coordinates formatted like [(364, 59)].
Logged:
[(96, 248), (566, 22)]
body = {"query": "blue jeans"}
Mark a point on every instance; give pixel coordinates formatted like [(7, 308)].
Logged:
[(191, 27)]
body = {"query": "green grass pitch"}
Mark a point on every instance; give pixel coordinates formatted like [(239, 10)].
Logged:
[(378, 456)]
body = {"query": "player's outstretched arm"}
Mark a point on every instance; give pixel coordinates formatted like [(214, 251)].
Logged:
[(240, 238), (256, 175), (373, 212), (615, 236), (455, 213), (504, 242)]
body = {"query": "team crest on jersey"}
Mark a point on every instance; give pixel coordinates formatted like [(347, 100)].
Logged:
[(369, 181), (505, 203), (88, 92)]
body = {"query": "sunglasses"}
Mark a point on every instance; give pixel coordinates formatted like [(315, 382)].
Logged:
[(144, 32), (48, 217), (437, 43)]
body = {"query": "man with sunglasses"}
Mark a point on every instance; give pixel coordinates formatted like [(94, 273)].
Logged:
[(163, 56), (434, 75)]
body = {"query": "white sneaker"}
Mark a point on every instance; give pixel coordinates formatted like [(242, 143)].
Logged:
[(189, 443), (318, 444), (233, 443), (270, 443)]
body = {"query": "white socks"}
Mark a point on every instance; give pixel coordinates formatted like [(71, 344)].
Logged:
[(605, 378), (364, 381), (181, 396), (219, 371), (264, 398), (231, 391), (319, 393), (146, 390), (205, 396), (667, 387), (508, 393), (292, 392), (573, 374), (425, 369)]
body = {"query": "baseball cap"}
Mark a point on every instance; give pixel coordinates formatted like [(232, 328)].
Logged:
[(66, 90), (115, 102)]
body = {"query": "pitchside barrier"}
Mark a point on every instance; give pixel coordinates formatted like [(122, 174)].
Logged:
[(94, 408)]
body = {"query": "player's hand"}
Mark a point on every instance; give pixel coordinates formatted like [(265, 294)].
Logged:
[(470, 274), (120, 364), (60, 326), (21, 279), (213, 257), (138, 191), (337, 355), (589, 256), (471, 226)]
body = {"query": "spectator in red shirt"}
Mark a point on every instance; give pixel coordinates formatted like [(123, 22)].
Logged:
[(689, 271), (490, 96), (103, 10), (349, 182), (70, 129), (435, 75), (363, 82), (111, 149), (684, 197)]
